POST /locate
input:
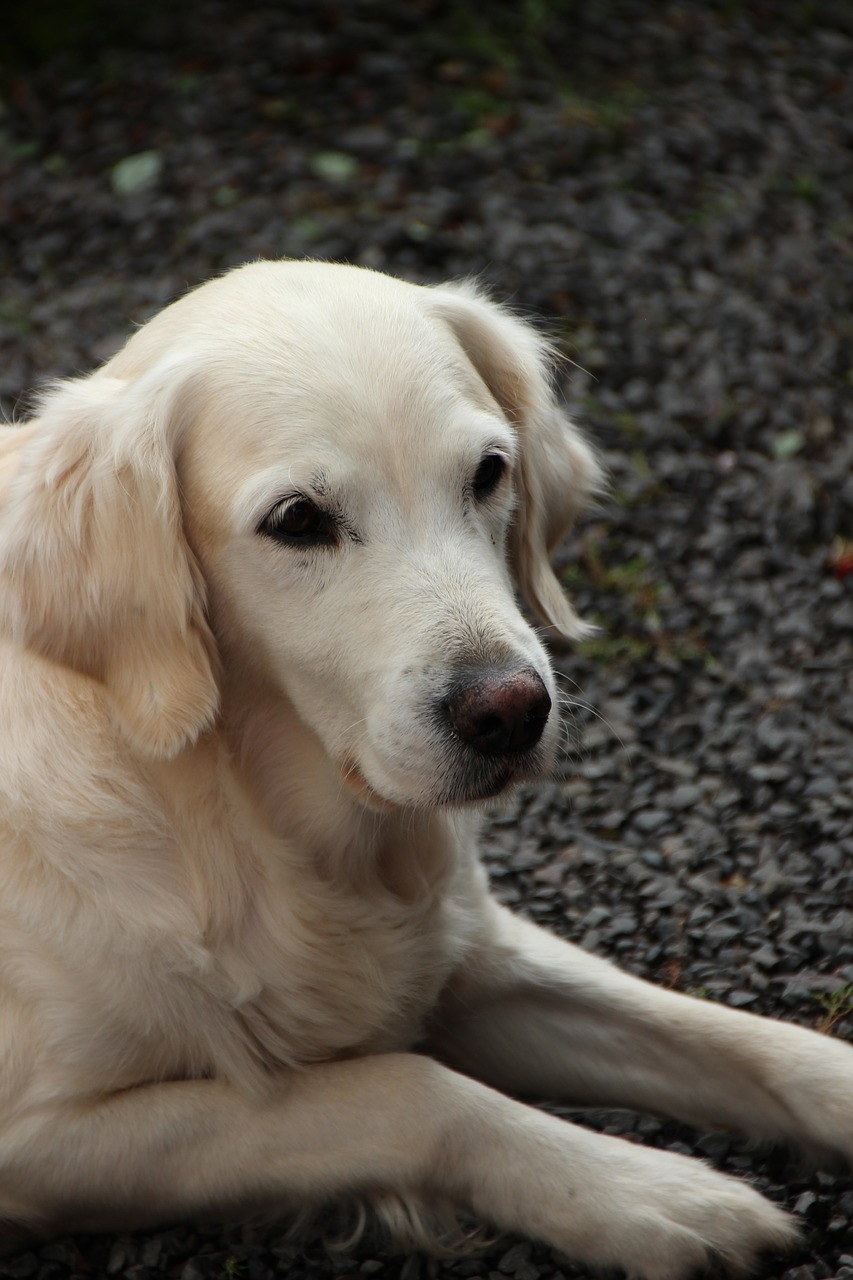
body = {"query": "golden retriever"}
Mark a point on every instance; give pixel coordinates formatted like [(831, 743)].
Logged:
[(261, 663)]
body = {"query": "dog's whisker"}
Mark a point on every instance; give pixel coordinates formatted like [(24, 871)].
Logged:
[(569, 703)]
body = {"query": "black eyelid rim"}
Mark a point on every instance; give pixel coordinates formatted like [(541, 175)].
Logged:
[(498, 455), (285, 500), (336, 521), (267, 529)]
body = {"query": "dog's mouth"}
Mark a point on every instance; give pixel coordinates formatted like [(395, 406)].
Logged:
[(367, 795), (485, 786), (455, 793)]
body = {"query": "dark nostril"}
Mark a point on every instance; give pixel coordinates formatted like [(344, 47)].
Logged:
[(502, 712)]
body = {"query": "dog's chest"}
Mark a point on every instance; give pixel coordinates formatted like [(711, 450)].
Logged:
[(317, 978)]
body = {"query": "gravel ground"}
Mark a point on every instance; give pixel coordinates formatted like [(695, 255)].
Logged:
[(671, 189)]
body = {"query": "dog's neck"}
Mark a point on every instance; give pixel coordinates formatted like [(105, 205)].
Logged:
[(300, 791)]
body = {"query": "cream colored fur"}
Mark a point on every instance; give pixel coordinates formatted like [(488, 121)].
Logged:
[(238, 872)]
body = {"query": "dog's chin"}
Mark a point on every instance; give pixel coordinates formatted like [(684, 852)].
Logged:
[(472, 788), (468, 792)]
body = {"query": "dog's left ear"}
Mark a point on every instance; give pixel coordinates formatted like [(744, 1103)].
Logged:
[(95, 570), (558, 471)]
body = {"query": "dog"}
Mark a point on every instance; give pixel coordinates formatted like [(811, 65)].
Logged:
[(261, 666)]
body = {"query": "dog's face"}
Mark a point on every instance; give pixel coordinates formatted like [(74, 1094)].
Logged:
[(366, 470)]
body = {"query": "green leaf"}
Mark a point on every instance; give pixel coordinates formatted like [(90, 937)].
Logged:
[(136, 173), (333, 166), (788, 443)]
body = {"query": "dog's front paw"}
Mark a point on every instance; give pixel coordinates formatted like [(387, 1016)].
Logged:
[(661, 1216), (680, 1230)]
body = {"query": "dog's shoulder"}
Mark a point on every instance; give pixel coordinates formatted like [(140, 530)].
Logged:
[(237, 945)]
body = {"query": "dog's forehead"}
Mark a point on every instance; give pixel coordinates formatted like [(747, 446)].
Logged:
[(344, 356), (345, 394), (354, 451)]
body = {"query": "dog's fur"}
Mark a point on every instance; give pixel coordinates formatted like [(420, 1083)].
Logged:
[(248, 957)]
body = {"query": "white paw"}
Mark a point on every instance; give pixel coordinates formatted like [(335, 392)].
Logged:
[(693, 1225), (661, 1216)]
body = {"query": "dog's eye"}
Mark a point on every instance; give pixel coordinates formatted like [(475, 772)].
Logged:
[(298, 521), (488, 475)]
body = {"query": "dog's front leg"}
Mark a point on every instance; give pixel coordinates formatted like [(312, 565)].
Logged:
[(394, 1123), (538, 1017)]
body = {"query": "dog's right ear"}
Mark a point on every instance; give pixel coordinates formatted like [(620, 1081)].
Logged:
[(95, 570)]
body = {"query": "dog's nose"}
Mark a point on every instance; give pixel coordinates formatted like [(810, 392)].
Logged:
[(502, 712)]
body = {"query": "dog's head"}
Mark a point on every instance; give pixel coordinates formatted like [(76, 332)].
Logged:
[(319, 483)]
